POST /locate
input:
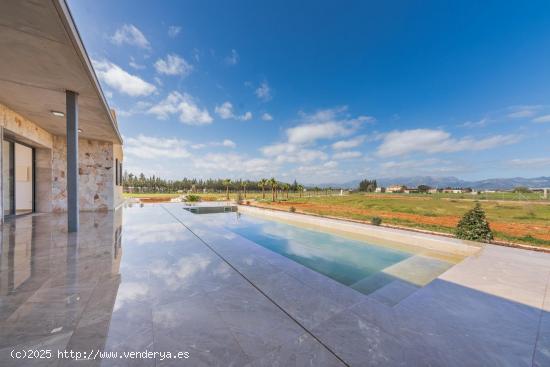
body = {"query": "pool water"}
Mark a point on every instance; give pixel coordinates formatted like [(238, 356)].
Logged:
[(344, 260)]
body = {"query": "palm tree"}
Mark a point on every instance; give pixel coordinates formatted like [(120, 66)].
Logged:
[(300, 189), (287, 189), (273, 183), (226, 183), (263, 183), (243, 184)]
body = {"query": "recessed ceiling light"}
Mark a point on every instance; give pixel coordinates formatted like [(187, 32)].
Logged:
[(58, 113), (79, 130)]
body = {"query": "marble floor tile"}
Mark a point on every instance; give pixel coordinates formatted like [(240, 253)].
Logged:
[(194, 325)]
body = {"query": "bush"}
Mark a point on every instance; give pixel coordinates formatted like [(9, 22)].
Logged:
[(292, 209), (376, 221), (192, 198), (474, 226), (248, 202)]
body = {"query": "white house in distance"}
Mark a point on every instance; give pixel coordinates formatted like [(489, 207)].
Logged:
[(394, 188), (61, 150)]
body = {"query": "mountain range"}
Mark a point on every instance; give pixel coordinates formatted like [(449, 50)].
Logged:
[(441, 182)]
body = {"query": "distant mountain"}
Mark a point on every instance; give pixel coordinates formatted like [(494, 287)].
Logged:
[(488, 184)]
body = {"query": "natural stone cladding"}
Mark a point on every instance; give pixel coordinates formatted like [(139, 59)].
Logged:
[(95, 175)]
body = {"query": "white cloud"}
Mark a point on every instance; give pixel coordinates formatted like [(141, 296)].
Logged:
[(430, 166), (473, 124), (347, 155), (146, 147), (325, 124), (309, 133), (224, 143), (229, 143), (139, 107), (173, 31), (291, 153), (523, 111), (530, 162), (246, 116), (232, 59), (404, 142), (173, 65), (130, 35), (185, 106), (263, 92), (544, 118), (117, 78), (135, 65), (267, 117), (347, 144), (225, 111), (233, 163)]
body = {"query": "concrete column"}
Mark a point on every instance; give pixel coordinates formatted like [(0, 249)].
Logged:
[(72, 160)]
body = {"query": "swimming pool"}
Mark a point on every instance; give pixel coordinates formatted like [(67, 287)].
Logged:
[(359, 264)]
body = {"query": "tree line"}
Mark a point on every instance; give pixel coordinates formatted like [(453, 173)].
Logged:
[(155, 184)]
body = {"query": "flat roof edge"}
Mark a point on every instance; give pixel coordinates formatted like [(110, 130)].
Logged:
[(70, 26)]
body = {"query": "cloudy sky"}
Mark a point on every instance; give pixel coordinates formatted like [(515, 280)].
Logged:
[(325, 91)]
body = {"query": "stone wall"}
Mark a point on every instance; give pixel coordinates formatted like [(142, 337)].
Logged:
[(96, 178), (29, 132), (97, 189)]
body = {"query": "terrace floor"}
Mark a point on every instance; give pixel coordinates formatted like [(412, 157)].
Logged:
[(161, 279)]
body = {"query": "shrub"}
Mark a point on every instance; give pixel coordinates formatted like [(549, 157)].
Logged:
[(192, 198), (248, 202), (292, 209), (376, 221), (474, 226)]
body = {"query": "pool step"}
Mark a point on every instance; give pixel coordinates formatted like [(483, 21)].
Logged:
[(418, 270), (398, 281)]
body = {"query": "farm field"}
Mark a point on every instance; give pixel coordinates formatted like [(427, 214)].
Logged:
[(512, 221)]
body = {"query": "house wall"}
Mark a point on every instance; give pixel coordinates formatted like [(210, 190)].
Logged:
[(118, 154), (97, 189), (96, 179)]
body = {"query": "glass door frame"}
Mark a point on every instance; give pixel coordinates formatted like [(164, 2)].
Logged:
[(13, 184)]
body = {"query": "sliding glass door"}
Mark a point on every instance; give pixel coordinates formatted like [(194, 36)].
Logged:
[(18, 178)]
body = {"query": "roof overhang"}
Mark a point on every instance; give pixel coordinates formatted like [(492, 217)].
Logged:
[(42, 56)]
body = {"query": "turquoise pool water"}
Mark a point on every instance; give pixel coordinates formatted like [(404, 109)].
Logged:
[(344, 260)]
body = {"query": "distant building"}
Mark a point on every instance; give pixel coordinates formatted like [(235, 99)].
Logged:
[(379, 189), (433, 191), (395, 188), (453, 191)]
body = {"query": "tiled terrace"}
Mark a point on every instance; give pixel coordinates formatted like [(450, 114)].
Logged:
[(159, 278)]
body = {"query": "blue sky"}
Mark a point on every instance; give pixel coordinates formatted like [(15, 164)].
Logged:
[(325, 91)]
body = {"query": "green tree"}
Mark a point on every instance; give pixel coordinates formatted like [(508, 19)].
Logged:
[(273, 183), (300, 189), (244, 184), (474, 226), (522, 189), (423, 188), (227, 183), (367, 185), (262, 184)]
